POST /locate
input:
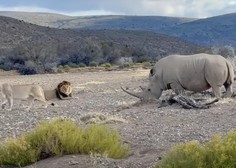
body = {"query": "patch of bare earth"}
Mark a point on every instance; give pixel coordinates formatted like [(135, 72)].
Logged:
[(150, 131)]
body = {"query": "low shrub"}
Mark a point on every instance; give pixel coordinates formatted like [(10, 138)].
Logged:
[(60, 67), (126, 65), (59, 70), (26, 70), (66, 68), (146, 64), (17, 152), (93, 64), (81, 65), (219, 152), (106, 65), (73, 65), (5, 67), (60, 137)]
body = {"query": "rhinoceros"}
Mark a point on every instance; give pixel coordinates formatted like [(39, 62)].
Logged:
[(196, 73)]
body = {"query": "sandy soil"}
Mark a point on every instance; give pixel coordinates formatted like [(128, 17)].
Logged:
[(150, 131)]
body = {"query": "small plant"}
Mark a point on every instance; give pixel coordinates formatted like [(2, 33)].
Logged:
[(93, 64), (66, 68), (138, 64), (81, 65), (4, 67), (60, 67), (106, 65), (60, 70), (60, 137), (219, 152), (17, 152), (126, 65), (146, 65), (72, 65)]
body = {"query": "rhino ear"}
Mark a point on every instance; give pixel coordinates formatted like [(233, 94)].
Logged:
[(152, 72)]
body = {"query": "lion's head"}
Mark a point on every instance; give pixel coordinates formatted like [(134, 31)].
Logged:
[(64, 89)]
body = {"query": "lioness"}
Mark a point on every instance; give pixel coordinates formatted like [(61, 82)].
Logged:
[(22, 92), (35, 92)]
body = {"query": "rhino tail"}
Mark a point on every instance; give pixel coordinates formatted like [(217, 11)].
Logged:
[(231, 77)]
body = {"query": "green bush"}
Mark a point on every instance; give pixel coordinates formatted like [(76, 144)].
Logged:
[(61, 137), (17, 152), (106, 65), (66, 68), (60, 67), (4, 67), (59, 70), (219, 152), (93, 64), (81, 65), (146, 64), (73, 65), (126, 65)]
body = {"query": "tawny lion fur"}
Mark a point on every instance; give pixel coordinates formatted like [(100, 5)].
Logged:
[(34, 92)]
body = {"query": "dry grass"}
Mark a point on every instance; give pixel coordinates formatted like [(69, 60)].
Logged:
[(99, 118), (219, 152), (60, 137)]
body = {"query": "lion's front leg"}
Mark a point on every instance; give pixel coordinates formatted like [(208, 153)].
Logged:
[(4, 103), (10, 102), (30, 105)]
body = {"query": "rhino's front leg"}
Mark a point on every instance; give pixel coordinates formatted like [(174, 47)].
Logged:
[(177, 88)]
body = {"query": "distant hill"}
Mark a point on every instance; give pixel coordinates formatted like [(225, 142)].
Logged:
[(21, 43), (151, 23), (14, 32), (214, 31), (42, 19), (219, 30)]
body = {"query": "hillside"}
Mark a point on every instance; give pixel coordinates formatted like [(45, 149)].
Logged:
[(42, 19), (23, 43), (14, 32), (150, 23), (219, 30)]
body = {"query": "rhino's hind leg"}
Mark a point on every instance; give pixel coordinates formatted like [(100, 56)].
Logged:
[(229, 90)]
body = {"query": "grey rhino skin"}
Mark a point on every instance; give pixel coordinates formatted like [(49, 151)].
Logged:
[(196, 73)]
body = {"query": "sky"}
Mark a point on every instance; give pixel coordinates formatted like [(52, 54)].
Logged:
[(175, 8)]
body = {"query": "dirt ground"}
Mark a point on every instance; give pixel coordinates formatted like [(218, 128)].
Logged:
[(150, 131)]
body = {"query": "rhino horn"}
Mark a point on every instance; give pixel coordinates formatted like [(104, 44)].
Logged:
[(138, 95)]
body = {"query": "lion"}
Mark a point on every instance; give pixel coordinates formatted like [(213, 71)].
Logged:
[(30, 92), (34, 92), (63, 91)]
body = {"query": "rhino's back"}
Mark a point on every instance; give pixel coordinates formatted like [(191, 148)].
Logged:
[(190, 70)]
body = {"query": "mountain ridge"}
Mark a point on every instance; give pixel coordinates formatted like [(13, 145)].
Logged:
[(95, 22), (213, 31)]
